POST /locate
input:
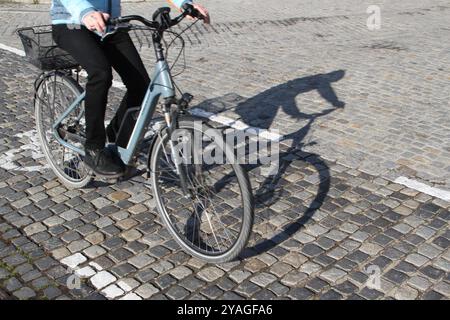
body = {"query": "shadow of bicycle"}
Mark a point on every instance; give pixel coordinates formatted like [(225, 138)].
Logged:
[(261, 111)]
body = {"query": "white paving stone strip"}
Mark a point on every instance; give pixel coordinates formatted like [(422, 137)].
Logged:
[(96, 266), (74, 261), (128, 284), (102, 279), (112, 292), (422, 187), (85, 272), (6, 158), (131, 296)]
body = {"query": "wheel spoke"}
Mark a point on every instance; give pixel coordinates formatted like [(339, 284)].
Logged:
[(53, 97), (201, 219)]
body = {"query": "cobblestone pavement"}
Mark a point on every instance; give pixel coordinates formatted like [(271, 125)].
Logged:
[(357, 109)]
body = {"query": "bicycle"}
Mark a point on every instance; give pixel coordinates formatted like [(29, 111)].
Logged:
[(207, 208)]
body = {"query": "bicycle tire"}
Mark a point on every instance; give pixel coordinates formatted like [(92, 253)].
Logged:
[(247, 202), (69, 180)]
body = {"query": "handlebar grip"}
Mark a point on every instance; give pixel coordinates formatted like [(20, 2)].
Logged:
[(189, 10)]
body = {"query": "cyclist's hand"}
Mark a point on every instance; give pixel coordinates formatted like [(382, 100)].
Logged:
[(203, 12), (96, 21)]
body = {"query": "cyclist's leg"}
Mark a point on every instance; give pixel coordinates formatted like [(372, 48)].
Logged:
[(85, 47), (126, 60)]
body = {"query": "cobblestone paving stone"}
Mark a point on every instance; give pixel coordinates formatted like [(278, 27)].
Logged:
[(357, 109)]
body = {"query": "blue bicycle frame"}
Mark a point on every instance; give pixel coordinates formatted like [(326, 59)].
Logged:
[(161, 87)]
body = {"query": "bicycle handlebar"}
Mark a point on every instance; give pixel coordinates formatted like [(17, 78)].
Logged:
[(126, 19), (189, 10)]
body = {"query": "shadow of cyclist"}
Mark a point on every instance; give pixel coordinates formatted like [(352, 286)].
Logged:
[(261, 111), (266, 105)]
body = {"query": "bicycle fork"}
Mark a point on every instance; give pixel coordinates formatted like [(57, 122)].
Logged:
[(171, 118)]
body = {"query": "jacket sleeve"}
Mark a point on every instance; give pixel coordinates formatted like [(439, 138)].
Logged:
[(78, 8), (179, 3)]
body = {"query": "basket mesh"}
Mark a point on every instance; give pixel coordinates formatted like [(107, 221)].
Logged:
[(41, 50)]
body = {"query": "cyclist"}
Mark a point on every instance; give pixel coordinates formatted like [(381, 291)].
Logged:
[(77, 26)]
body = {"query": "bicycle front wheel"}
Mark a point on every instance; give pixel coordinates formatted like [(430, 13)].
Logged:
[(54, 94), (206, 204)]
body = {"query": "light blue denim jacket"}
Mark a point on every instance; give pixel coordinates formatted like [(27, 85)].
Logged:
[(73, 11)]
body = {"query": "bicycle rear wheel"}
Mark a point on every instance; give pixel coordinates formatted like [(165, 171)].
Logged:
[(54, 94), (214, 219)]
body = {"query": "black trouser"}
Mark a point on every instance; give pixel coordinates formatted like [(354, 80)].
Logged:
[(98, 58)]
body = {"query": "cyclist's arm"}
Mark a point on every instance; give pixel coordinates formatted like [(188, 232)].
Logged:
[(78, 8)]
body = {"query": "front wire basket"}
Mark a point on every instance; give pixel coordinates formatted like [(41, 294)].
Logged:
[(41, 50)]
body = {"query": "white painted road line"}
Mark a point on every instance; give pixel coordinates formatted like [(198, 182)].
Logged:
[(12, 50), (422, 187), (236, 124)]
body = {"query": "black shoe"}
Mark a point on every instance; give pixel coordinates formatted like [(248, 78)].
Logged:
[(111, 134), (104, 162)]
